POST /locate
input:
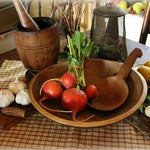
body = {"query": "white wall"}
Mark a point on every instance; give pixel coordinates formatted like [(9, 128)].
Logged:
[(133, 27)]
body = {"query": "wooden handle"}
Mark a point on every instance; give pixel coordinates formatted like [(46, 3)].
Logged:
[(25, 19), (53, 12), (127, 66), (13, 111)]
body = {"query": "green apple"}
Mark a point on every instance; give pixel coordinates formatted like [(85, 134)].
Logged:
[(122, 4), (138, 7)]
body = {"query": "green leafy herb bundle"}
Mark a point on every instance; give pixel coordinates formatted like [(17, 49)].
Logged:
[(80, 48)]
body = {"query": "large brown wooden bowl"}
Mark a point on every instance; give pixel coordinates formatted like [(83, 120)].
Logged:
[(95, 70)]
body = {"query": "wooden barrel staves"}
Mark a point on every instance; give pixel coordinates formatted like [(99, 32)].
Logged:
[(38, 49)]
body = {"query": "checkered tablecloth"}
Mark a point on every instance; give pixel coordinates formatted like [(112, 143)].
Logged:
[(39, 132)]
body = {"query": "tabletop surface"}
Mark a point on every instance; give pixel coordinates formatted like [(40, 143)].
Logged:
[(39, 132)]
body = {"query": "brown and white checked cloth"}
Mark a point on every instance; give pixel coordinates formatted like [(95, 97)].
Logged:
[(39, 132)]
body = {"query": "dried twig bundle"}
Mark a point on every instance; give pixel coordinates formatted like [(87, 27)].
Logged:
[(72, 14)]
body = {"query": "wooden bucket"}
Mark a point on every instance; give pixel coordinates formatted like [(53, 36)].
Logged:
[(38, 49)]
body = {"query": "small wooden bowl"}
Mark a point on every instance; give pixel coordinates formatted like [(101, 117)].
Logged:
[(95, 70)]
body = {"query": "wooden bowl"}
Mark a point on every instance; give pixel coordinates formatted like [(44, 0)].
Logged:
[(95, 70)]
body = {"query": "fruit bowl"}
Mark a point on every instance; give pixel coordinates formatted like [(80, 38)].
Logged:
[(95, 70)]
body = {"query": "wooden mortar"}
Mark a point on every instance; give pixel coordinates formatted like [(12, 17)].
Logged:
[(38, 49)]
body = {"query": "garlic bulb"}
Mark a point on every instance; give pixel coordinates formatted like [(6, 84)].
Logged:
[(23, 97), (147, 111), (6, 98), (17, 86)]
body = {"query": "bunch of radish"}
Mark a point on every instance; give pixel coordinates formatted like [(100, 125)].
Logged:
[(72, 98)]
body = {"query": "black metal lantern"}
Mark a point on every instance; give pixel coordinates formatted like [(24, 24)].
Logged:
[(108, 31)]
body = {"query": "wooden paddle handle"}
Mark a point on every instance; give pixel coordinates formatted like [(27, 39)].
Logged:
[(129, 62), (25, 19), (13, 111)]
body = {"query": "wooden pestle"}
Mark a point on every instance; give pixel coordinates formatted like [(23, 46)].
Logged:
[(26, 20)]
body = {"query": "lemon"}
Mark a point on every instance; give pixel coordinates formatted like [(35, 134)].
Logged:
[(147, 63), (122, 4), (144, 4), (138, 7), (145, 72)]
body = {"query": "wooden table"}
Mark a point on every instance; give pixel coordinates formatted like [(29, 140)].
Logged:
[(39, 132), (129, 43)]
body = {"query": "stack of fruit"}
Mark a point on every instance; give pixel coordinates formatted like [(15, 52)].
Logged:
[(145, 71), (137, 7), (132, 8)]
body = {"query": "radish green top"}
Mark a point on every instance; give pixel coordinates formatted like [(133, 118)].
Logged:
[(80, 47)]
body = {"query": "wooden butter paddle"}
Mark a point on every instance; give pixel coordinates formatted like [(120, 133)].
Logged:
[(14, 111), (113, 90)]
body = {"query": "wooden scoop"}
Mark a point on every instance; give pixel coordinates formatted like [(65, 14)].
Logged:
[(113, 91), (25, 19)]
